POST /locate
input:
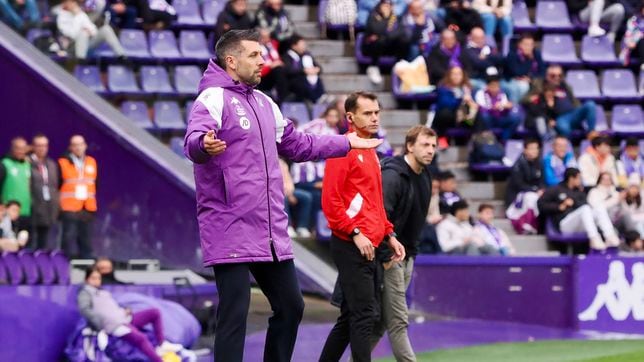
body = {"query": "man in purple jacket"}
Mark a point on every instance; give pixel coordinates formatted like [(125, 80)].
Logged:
[(235, 134)]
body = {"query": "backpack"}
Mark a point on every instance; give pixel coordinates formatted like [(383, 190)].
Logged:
[(486, 148), (341, 12)]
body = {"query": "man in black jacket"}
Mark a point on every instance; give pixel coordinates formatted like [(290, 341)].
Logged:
[(235, 16), (566, 205), (525, 186), (446, 54), (407, 189)]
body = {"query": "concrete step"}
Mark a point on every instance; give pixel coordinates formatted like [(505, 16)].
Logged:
[(505, 225), (530, 244), (299, 13), (307, 29), (459, 169), (338, 65), (474, 190), (400, 119), (453, 154), (335, 83), (329, 48)]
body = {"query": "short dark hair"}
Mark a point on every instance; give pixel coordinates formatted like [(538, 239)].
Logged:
[(525, 36), (458, 205), (414, 132), (294, 39), (351, 103), (230, 43), (570, 173), (91, 270), (599, 140), (632, 141), (530, 140), (484, 206), (445, 175), (630, 236), (12, 203)]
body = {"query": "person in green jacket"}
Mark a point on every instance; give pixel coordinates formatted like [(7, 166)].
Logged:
[(15, 178)]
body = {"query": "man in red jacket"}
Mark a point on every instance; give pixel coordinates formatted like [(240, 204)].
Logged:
[(353, 204)]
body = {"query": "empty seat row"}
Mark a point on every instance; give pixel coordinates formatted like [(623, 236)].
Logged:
[(191, 46), (595, 51), (616, 85), (31, 268), (189, 12), (166, 114)]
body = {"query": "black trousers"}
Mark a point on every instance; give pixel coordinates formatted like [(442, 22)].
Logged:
[(279, 284), (39, 238), (77, 232), (359, 310)]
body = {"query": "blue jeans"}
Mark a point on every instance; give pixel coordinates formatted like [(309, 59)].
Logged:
[(572, 120), (303, 206), (490, 22), (15, 16), (515, 89), (508, 123)]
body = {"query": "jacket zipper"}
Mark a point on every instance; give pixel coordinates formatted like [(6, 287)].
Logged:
[(268, 193)]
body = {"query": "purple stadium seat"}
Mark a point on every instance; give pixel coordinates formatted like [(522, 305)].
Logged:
[(211, 10), (189, 105), (167, 116), (61, 265), (188, 12), (318, 109), (365, 60), (583, 146), (90, 76), (193, 44), (584, 84), (186, 79), (29, 267), (36, 33), (619, 85), (322, 231), (4, 278), (559, 48), (554, 235), (553, 16), (628, 120), (154, 79), (176, 145), (45, 267), (601, 124), (121, 79), (103, 50), (163, 45), (14, 269), (598, 51), (296, 111), (513, 149), (137, 111), (521, 18), (134, 43)]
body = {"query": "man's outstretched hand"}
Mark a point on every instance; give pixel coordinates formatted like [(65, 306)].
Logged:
[(212, 145), (357, 142)]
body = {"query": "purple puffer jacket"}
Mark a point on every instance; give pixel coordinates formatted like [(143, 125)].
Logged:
[(240, 196)]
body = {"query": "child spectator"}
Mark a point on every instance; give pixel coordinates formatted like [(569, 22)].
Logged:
[(525, 186), (557, 161), (632, 208), (495, 109), (235, 16), (633, 41), (521, 65), (271, 15), (491, 235), (455, 106), (630, 163), (633, 242), (484, 59), (495, 14), (448, 194), (419, 27), (302, 71), (592, 12), (606, 196), (296, 198), (596, 159), (457, 236), (447, 54)]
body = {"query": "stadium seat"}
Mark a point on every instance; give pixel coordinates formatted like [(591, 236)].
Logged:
[(14, 269), (137, 111), (365, 60), (34, 34), (628, 120), (163, 45), (619, 85), (554, 235), (186, 79), (154, 79), (62, 267), (29, 267), (90, 76), (187, 12), (322, 231), (121, 79), (513, 150), (584, 84), (559, 49), (296, 111), (103, 50), (135, 43), (601, 124), (167, 116), (598, 52), (553, 16), (4, 277), (318, 110), (521, 18), (45, 267), (176, 145), (193, 44), (189, 105), (211, 10)]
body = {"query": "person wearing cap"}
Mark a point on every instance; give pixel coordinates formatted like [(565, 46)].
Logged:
[(495, 108)]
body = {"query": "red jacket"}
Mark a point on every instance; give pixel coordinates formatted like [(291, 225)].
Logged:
[(352, 196)]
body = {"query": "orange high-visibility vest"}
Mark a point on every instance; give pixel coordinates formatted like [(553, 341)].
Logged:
[(78, 189)]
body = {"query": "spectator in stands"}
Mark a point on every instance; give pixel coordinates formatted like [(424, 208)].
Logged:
[(597, 158), (365, 7), (605, 195), (457, 236), (384, 35), (455, 106), (302, 71), (557, 161), (632, 242), (296, 199), (566, 205), (491, 235), (495, 14), (15, 178), (420, 28), (594, 11), (632, 53), (79, 173), (495, 109), (20, 14), (271, 15), (525, 186), (76, 25), (156, 14), (435, 12), (630, 164), (445, 55), (235, 16), (11, 238), (105, 266), (632, 208), (522, 64), (485, 59), (102, 312), (429, 239), (448, 193), (121, 14), (273, 71), (461, 18), (44, 192)]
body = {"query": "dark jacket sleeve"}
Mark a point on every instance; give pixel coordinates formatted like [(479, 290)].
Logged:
[(289, 66), (392, 192), (549, 202), (436, 65), (519, 173), (512, 65), (541, 72)]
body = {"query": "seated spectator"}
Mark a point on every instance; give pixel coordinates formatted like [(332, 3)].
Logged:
[(525, 186), (342, 13), (457, 236), (455, 106), (522, 64), (156, 14), (485, 60), (632, 242), (271, 15), (435, 12), (384, 35), (632, 53), (302, 72), (632, 208), (445, 55), (11, 239), (235, 16), (461, 18), (273, 71), (566, 205), (495, 109), (595, 11), (605, 195), (76, 25), (105, 266), (419, 28), (296, 198), (597, 158), (492, 236), (121, 14), (630, 164), (557, 161), (428, 237), (20, 14), (103, 313), (448, 194), (365, 8), (495, 14)]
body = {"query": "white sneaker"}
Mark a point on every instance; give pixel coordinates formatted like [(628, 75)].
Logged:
[(597, 244), (611, 37), (595, 31), (613, 242), (303, 233), (291, 232), (373, 72), (167, 347)]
